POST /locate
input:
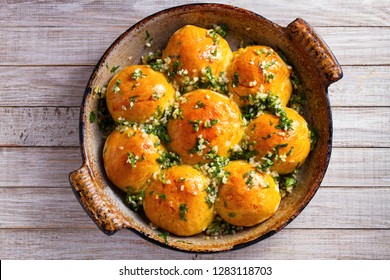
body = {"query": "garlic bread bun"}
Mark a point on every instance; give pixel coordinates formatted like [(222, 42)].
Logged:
[(210, 122), (137, 93), (289, 147), (258, 69), (191, 49), (248, 197), (177, 201), (130, 158)]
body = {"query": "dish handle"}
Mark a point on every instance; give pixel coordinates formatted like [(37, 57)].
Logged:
[(95, 203), (311, 43)]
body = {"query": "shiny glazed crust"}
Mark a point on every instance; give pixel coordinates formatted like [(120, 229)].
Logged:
[(130, 158), (258, 69), (137, 92), (248, 197), (196, 49), (177, 201), (290, 147), (208, 120)]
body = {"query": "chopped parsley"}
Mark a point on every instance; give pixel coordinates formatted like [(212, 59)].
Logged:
[(220, 227), (132, 100), (162, 196), (132, 159), (287, 182), (269, 77), (221, 29), (268, 64), (211, 195), (208, 80), (196, 124), (148, 39), (267, 102), (215, 169), (268, 160), (92, 117), (154, 60), (213, 35), (157, 95), (210, 123), (137, 74), (175, 68), (200, 145), (168, 159), (284, 122), (115, 87), (164, 235), (183, 211), (249, 178), (135, 201), (114, 68), (161, 132), (199, 104)]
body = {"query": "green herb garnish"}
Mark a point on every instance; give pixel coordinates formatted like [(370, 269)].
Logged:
[(92, 117), (168, 159), (135, 201), (183, 211)]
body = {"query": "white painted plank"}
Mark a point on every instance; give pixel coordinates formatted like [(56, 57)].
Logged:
[(361, 127), (39, 126), (41, 208), (103, 13), (43, 86), (37, 167), (57, 126), (358, 167), (64, 86), (50, 167), (358, 46), (346, 208), (287, 244), (85, 45), (362, 86), (331, 208)]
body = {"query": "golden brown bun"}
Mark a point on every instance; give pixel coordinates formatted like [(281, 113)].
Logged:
[(137, 92), (209, 116), (130, 158), (267, 137), (251, 72), (248, 197), (178, 204), (195, 50)]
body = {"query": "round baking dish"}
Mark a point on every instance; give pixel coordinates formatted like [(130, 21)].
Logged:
[(305, 51)]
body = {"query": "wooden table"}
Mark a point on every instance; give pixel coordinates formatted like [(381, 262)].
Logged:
[(47, 52)]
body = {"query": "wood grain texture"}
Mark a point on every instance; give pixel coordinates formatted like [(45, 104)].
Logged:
[(58, 86), (37, 167), (54, 86), (106, 13), (331, 208), (358, 167), (58, 126), (361, 86), (287, 244), (39, 126), (47, 53), (85, 45), (50, 167)]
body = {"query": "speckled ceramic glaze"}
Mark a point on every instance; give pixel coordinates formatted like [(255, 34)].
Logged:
[(306, 52)]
